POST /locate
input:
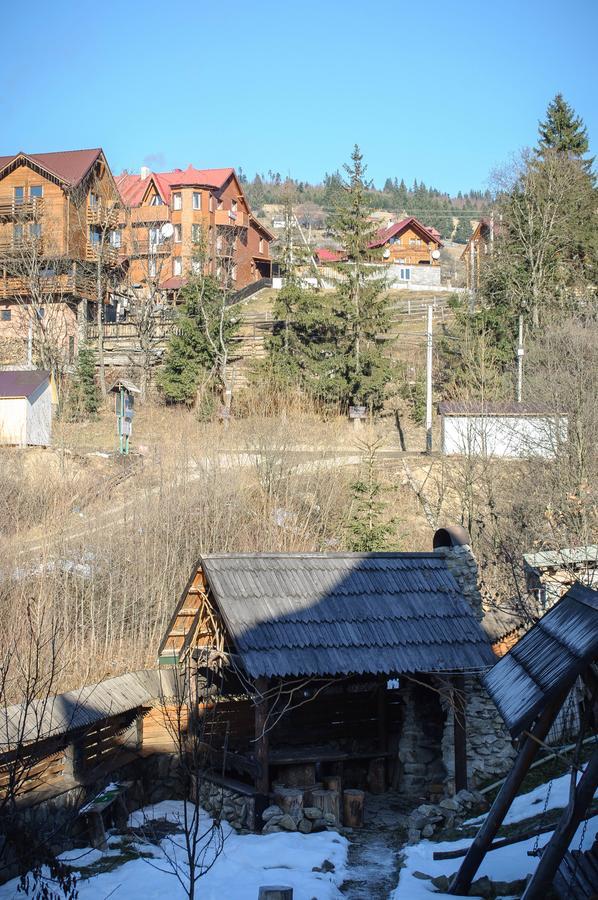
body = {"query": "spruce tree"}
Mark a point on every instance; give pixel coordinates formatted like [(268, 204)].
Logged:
[(361, 300), (564, 132), (369, 530), (85, 394)]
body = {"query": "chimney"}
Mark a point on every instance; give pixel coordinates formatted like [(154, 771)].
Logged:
[(144, 172), (454, 544)]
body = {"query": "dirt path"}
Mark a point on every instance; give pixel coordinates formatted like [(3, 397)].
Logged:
[(375, 850)]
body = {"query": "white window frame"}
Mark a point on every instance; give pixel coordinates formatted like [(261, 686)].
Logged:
[(196, 200), (152, 267), (177, 200), (177, 266), (178, 234)]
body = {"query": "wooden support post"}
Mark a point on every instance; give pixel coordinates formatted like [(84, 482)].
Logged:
[(353, 808), (460, 733), (504, 798), (559, 842), (382, 718), (262, 778)]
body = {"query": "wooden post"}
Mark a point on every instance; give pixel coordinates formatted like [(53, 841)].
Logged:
[(262, 778), (275, 892), (460, 733), (382, 718), (559, 842), (504, 798), (328, 802), (353, 808)]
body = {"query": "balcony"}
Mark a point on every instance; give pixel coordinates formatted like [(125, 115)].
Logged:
[(12, 210), (149, 248), (108, 254), (230, 218), (26, 248), (102, 215), (147, 215)]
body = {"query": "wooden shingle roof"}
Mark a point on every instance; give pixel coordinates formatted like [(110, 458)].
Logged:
[(547, 659), (342, 613)]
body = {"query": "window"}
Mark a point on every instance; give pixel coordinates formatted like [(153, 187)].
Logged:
[(405, 274), (154, 237), (35, 230), (40, 312), (95, 236), (116, 238), (156, 200), (6, 315), (219, 243), (233, 208), (196, 266), (211, 203), (261, 245), (178, 234), (220, 204), (151, 267), (17, 234), (19, 195), (196, 200), (196, 233), (94, 200), (177, 266), (177, 201), (36, 192)]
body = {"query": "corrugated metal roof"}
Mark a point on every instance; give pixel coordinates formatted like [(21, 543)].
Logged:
[(70, 166), (83, 707), (556, 559), (330, 614), (547, 659), (385, 234), (21, 382), (495, 408)]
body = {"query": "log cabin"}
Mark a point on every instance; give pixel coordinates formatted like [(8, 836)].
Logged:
[(170, 218), (58, 216), (477, 248), (409, 243), (339, 665)]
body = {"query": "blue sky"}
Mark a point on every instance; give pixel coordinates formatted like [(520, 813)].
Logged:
[(441, 92)]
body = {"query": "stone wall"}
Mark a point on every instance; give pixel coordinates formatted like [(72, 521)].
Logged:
[(463, 566), (422, 769), (236, 804)]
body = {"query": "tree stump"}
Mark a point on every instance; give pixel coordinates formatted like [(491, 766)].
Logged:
[(309, 792), (301, 775), (275, 892), (290, 801), (377, 776), (353, 808), (333, 783), (328, 802)]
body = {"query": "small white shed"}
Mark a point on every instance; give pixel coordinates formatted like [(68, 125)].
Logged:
[(513, 430), (25, 407)]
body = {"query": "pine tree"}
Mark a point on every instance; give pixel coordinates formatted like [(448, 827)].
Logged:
[(564, 132), (369, 530), (361, 300), (190, 354), (85, 398)]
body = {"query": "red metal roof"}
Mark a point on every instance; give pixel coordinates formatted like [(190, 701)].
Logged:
[(385, 234), (21, 382), (173, 283), (323, 254), (132, 188), (70, 166)]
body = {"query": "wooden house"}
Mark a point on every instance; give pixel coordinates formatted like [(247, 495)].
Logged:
[(25, 408), (408, 243), (477, 248), (169, 218), (58, 212), (308, 648)]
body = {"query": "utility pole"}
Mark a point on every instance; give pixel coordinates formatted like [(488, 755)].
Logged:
[(520, 354), (429, 381)]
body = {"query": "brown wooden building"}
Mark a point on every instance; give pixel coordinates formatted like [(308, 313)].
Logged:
[(174, 221), (58, 212), (477, 248), (409, 243)]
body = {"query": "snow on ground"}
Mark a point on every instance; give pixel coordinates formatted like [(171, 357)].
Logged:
[(506, 864), (532, 804), (246, 863)]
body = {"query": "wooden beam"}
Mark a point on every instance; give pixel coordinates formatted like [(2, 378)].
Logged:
[(262, 779), (460, 733), (559, 842), (382, 717), (482, 841)]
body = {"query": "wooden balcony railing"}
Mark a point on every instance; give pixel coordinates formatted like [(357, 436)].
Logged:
[(102, 215), (26, 247), (228, 217), (11, 209), (144, 215), (108, 254), (148, 248)]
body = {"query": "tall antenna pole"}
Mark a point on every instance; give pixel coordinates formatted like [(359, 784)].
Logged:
[(520, 355), (429, 380)]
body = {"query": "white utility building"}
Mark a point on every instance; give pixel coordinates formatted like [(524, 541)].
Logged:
[(25, 407), (501, 429)]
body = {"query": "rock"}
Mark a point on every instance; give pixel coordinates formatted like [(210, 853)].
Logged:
[(288, 823), (427, 831), (326, 866), (304, 826), (465, 797), (329, 818), (413, 835), (422, 876), (450, 803), (269, 828), (271, 811), (441, 883), (318, 825), (483, 887), (312, 812), (426, 809)]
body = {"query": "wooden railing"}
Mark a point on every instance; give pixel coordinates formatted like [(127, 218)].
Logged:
[(149, 248), (228, 217), (108, 254), (25, 209), (25, 247), (102, 215), (142, 215)]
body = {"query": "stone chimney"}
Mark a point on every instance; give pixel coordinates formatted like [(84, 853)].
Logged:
[(144, 172), (454, 544)]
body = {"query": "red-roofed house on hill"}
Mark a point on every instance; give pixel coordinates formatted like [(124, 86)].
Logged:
[(409, 243), (170, 219), (58, 217)]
